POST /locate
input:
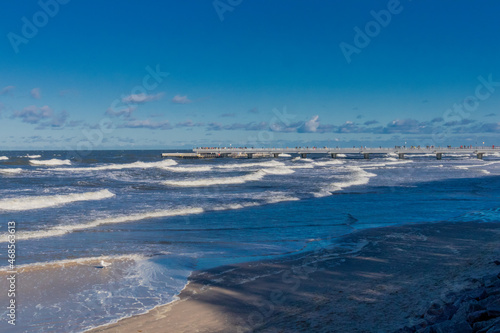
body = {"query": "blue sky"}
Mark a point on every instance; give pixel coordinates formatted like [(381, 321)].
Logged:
[(178, 74)]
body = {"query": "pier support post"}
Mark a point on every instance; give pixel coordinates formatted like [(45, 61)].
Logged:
[(302, 155), (366, 156), (276, 155), (439, 156), (480, 156), (249, 155), (401, 156), (334, 155)]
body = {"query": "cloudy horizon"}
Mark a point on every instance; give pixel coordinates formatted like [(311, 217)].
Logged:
[(175, 75)]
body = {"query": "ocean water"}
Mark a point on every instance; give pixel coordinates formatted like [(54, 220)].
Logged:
[(152, 221)]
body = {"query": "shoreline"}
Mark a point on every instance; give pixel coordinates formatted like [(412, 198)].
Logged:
[(386, 284)]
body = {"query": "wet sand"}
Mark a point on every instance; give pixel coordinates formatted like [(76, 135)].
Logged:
[(386, 285), (41, 288)]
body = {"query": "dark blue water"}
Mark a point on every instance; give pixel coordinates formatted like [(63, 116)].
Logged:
[(154, 220)]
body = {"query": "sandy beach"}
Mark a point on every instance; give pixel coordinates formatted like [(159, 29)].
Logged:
[(378, 280)]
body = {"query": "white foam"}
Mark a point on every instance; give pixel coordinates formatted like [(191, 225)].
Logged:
[(331, 162), (65, 229), (135, 165), (3, 158), (188, 169), (37, 202), (255, 176), (33, 156), (300, 159), (321, 193), (51, 162), (11, 171), (282, 198), (278, 171), (284, 155), (269, 198), (78, 261), (475, 165), (389, 161), (236, 206), (251, 165), (302, 166), (358, 176), (463, 154)]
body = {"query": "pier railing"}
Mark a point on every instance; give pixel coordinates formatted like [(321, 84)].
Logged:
[(335, 151)]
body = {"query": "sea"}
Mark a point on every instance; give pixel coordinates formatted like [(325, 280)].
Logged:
[(119, 232)]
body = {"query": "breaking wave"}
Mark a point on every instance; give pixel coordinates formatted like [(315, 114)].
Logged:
[(52, 162), (255, 176), (188, 169), (251, 165), (135, 165), (276, 198), (326, 163), (37, 202), (282, 198), (11, 171), (389, 161), (357, 177), (65, 229), (216, 181), (298, 158), (278, 171)]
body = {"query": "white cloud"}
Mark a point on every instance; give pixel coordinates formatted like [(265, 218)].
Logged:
[(310, 126), (43, 116), (178, 99), (164, 125), (7, 90), (141, 98), (36, 93), (126, 111), (33, 115)]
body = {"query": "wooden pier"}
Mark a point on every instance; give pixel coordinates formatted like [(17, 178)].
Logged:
[(401, 152)]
